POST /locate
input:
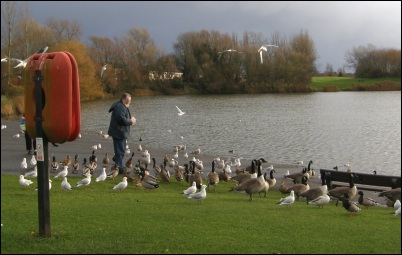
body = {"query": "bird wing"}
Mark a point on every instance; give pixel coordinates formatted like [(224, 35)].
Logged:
[(180, 111)]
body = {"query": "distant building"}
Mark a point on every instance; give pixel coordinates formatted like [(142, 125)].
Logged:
[(154, 75)]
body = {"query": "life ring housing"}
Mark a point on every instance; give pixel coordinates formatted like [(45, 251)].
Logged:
[(61, 110)]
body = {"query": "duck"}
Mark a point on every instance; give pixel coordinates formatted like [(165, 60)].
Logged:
[(178, 173), (114, 171), (129, 162), (283, 188), (164, 173), (127, 174), (299, 188), (148, 182), (157, 169), (190, 190), (350, 206), (315, 192), (366, 201), (194, 176), (54, 165), (76, 165), (320, 201), (199, 196), (393, 194), (121, 185), (252, 186), (86, 168), (66, 162), (106, 160), (289, 200), (338, 192), (212, 177)]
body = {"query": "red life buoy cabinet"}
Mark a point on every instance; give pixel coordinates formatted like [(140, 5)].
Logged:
[(60, 96)]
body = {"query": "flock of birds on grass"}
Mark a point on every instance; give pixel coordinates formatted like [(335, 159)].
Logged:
[(250, 180)]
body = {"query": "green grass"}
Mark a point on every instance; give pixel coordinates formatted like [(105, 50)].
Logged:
[(97, 219), (345, 83)]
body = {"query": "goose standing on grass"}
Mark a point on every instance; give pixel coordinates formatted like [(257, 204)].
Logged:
[(297, 177), (338, 192), (289, 200), (366, 201), (393, 194), (165, 174), (254, 185), (200, 195), (300, 187), (212, 177), (271, 180), (283, 188), (315, 192), (350, 206)]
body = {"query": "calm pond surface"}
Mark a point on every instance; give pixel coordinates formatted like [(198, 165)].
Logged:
[(362, 128)]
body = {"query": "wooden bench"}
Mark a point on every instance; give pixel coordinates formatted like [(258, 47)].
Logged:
[(362, 181)]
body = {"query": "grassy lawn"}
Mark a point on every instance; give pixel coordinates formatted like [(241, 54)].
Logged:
[(345, 83), (97, 219)]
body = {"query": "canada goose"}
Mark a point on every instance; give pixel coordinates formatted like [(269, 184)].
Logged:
[(297, 177), (242, 176), (288, 200), (314, 193), (195, 176), (178, 173), (271, 180), (338, 192), (350, 206), (393, 194), (190, 190), (320, 201), (366, 201), (212, 177), (252, 186), (309, 170), (266, 184), (261, 160), (283, 188), (300, 187)]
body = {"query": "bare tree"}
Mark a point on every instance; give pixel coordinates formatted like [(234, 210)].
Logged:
[(64, 30)]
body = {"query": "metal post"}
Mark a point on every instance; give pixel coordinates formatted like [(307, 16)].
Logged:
[(42, 162)]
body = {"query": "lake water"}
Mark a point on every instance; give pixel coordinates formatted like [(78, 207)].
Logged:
[(362, 128)]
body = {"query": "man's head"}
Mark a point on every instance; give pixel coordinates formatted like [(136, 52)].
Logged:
[(126, 99)]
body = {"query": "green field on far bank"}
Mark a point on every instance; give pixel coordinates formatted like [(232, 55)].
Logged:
[(319, 83)]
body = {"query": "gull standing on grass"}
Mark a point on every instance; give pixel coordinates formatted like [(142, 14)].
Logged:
[(121, 185), (180, 113), (200, 195), (24, 182), (264, 48), (65, 185)]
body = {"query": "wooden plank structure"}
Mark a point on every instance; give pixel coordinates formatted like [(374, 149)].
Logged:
[(363, 181)]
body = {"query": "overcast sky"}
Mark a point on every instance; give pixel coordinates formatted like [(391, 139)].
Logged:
[(334, 27)]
